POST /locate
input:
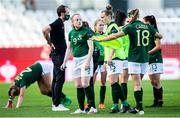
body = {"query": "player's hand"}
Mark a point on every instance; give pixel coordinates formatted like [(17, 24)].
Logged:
[(9, 104), (52, 46), (87, 65), (95, 38), (63, 66), (109, 62)]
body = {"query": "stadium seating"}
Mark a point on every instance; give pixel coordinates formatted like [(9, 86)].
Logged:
[(21, 28)]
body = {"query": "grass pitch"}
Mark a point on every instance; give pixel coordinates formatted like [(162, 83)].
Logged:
[(37, 105)]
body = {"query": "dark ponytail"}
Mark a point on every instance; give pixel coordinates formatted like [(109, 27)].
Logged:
[(120, 17), (152, 20)]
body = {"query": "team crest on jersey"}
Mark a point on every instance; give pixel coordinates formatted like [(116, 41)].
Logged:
[(76, 39)]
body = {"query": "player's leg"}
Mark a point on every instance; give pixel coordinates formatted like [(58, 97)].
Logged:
[(157, 90), (155, 69), (138, 94), (76, 74), (137, 70), (86, 75), (94, 77), (91, 84), (137, 90), (124, 78), (80, 95), (94, 66), (96, 73), (115, 93), (113, 71), (44, 85), (103, 86), (88, 92)]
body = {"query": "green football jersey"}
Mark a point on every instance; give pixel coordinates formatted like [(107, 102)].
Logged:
[(139, 36), (28, 76), (78, 41), (157, 56), (119, 53), (99, 47)]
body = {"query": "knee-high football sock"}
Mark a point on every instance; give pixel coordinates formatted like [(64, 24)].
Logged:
[(115, 93), (138, 98), (81, 97), (124, 89), (102, 94), (89, 95)]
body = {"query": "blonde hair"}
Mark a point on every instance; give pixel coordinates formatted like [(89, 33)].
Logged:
[(134, 13), (72, 19), (73, 16), (96, 22)]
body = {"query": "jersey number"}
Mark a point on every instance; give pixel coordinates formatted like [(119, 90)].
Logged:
[(26, 70), (145, 37)]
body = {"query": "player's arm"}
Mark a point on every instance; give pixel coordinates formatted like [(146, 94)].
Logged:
[(112, 36), (66, 57), (158, 35), (110, 56), (10, 102), (46, 30), (90, 53), (21, 96), (157, 47)]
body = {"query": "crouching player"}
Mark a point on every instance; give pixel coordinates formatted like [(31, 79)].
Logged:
[(40, 72)]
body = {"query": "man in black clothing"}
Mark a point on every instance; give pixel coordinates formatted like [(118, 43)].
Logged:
[(58, 45)]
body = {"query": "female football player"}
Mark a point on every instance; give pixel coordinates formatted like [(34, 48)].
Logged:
[(120, 19), (155, 64), (98, 29), (82, 50), (40, 72), (114, 57)]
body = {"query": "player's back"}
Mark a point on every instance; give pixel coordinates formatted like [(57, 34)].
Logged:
[(139, 35), (29, 75)]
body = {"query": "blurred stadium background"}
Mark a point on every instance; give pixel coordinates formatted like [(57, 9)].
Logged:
[(21, 23)]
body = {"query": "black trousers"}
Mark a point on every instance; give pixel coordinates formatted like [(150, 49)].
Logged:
[(58, 77)]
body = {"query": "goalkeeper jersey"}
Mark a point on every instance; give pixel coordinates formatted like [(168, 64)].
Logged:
[(119, 53)]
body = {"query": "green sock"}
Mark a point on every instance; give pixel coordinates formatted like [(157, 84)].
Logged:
[(124, 89), (125, 103), (102, 94), (115, 106), (89, 95), (81, 97), (115, 93), (138, 98)]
